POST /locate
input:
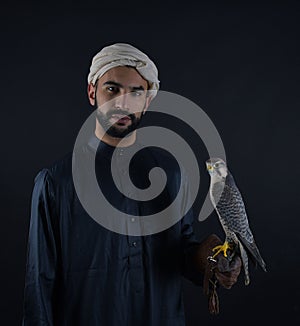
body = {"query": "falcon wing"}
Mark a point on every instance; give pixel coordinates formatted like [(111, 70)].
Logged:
[(233, 213)]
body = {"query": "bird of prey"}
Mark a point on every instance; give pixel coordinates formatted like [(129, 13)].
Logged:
[(228, 203)]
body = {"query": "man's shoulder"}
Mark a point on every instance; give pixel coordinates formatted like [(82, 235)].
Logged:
[(59, 171)]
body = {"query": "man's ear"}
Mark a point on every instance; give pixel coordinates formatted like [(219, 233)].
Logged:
[(149, 98), (91, 90)]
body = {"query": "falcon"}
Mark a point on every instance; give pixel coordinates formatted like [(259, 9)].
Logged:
[(229, 205)]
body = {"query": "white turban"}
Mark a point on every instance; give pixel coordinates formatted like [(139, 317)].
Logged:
[(121, 54)]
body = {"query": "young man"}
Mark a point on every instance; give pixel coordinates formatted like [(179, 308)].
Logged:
[(80, 272)]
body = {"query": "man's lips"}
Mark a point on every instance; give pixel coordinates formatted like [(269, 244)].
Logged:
[(120, 118)]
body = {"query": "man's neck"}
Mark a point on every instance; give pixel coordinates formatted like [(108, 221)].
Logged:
[(114, 141)]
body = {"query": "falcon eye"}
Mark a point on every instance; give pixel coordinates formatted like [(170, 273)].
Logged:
[(218, 164)]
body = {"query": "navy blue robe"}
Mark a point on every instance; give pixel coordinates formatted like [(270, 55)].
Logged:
[(80, 273)]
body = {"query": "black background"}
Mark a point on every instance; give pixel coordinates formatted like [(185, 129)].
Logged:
[(239, 61)]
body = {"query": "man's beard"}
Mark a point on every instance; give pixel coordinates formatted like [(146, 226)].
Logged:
[(112, 129)]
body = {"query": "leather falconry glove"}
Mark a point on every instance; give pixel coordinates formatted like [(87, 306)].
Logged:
[(217, 270)]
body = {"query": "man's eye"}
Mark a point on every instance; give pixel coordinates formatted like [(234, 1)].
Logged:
[(112, 89), (137, 93)]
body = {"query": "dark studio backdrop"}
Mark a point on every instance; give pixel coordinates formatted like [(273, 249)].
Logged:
[(239, 61)]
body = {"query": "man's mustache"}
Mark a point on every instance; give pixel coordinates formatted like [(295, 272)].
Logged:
[(110, 113)]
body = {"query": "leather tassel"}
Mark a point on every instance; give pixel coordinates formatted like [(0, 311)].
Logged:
[(213, 299), (210, 286)]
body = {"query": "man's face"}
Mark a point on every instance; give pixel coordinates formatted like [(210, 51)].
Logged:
[(120, 97)]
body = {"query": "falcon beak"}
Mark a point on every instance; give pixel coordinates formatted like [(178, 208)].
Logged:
[(209, 167)]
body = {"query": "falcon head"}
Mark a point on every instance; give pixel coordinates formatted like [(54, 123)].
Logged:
[(217, 168)]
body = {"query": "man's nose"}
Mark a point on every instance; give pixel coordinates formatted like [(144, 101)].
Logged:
[(122, 101)]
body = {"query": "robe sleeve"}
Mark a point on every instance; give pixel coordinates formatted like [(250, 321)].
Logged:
[(191, 246), (190, 243), (41, 264), (195, 252)]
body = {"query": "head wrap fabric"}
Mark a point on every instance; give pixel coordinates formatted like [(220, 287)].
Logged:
[(122, 54)]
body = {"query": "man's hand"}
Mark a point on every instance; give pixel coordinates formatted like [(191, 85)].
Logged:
[(216, 270), (227, 272)]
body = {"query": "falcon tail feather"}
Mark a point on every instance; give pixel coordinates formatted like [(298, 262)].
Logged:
[(255, 254), (244, 258)]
